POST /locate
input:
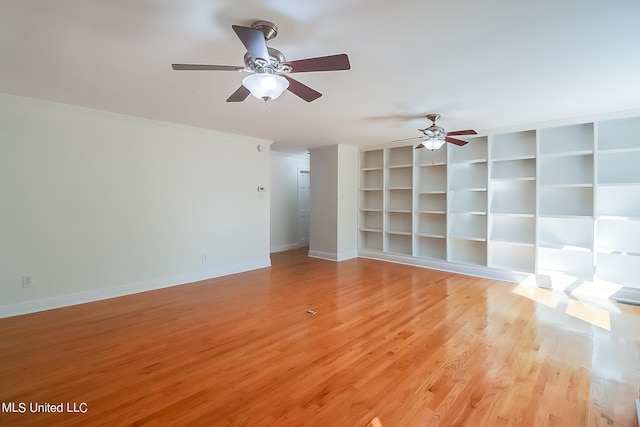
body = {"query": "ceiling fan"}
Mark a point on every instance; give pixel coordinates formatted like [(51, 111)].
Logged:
[(434, 136), (269, 70)]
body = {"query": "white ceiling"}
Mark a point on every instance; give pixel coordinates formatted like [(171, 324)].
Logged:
[(486, 65)]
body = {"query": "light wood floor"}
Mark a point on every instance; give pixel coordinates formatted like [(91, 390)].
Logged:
[(410, 346)]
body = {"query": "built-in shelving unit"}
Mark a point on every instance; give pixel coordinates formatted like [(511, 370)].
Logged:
[(467, 223), (372, 199), (399, 195), (562, 200), (566, 200), (618, 202), (512, 192), (431, 203)]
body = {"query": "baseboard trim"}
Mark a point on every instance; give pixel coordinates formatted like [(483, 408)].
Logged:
[(330, 256), (323, 255), (627, 295), (282, 248), (60, 301), (451, 267)]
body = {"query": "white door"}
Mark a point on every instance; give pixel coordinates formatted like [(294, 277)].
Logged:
[(304, 211)]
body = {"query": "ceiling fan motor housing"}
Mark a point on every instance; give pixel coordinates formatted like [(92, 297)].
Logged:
[(434, 132), (276, 58)]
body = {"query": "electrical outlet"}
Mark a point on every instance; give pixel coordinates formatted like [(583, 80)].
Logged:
[(27, 281)]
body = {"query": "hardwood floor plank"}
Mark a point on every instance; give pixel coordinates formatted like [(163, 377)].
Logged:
[(410, 346)]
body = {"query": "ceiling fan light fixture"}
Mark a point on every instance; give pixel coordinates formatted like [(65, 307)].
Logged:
[(435, 137), (265, 86), (433, 144)]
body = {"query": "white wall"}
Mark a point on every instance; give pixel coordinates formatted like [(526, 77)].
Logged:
[(95, 205), (347, 201), (323, 241), (334, 202), (284, 199)]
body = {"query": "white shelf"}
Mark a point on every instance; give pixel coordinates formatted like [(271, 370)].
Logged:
[(432, 235), (566, 201), (468, 201), (621, 201), (513, 242), (371, 200), (473, 152), (432, 202), (513, 146), (371, 160), (574, 263), (513, 197), (470, 252), (567, 154), (432, 224), (617, 235), (371, 240), (399, 244), (619, 134), (400, 178), (468, 226), (399, 221), (468, 175), (399, 232), (619, 150), (619, 168), (513, 229), (621, 269), (432, 178), (400, 199), (431, 158), (570, 170), (400, 157), (372, 230), (512, 256), (569, 140), (431, 247), (566, 232), (558, 185), (514, 170), (371, 220), (617, 218)]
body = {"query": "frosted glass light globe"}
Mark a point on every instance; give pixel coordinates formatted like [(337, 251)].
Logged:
[(265, 86)]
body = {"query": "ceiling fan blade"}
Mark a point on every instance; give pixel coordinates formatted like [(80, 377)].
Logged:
[(409, 139), (456, 141), (205, 67), (253, 40), (421, 145), (239, 95), (463, 132), (301, 90), (321, 63)]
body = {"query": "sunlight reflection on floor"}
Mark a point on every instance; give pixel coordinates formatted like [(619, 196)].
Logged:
[(588, 300)]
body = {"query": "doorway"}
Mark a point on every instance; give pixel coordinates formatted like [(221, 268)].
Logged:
[(304, 210)]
